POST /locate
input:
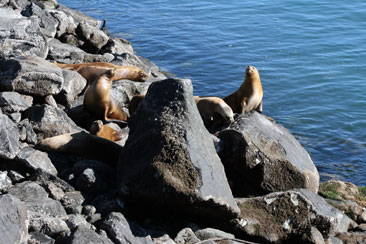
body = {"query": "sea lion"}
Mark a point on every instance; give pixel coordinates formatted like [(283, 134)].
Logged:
[(83, 144), (249, 95), (134, 103), (209, 107), (97, 128), (91, 71), (99, 102)]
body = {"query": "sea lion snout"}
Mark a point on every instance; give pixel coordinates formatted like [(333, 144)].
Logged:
[(250, 69)]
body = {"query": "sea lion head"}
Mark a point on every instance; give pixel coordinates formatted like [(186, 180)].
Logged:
[(251, 70), (138, 74)]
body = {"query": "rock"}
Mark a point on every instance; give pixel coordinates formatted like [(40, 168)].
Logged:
[(48, 225), (5, 181), (84, 235), (351, 237), (79, 16), (65, 23), (49, 100), (20, 36), (124, 90), (38, 238), (94, 38), (209, 233), (108, 202), (44, 179), (91, 183), (146, 65), (261, 157), (11, 102), (14, 214), (49, 121), (118, 228), (26, 131), (73, 85), (73, 202), (287, 215), (314, 237), (9, 138), (74, 220), (118, 46), (28, 191), (103, 170), (165, 239), (333, 240), (34, 159), (179, 169), (186, 236), (15, 117), (15, 176), (47, 22), (30, 75)]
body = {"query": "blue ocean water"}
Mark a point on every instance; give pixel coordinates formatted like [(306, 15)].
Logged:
[(310, 54)]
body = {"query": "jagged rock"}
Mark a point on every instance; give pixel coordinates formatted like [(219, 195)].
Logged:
[(118, 229), (28, 191), (26, 132), (260, 156), (286, 216), (124, 90), (210, 233), (19, 4), (47, 22), (50, 100), (165, 239), (9, 138), (44, 179), (118, 46), (79, 16), (146, 65), (314, 237), (83, 235), (20, 36), (49, 121), (13, 219), (351, 238), (30, 75), (15, 176), (15, 117), (91, 183), (94, 38), (186, 236), (47, 225), (74, 220), (11, 102), (65, 23), (5, 181), (39, 238), (169, 160), (73, 202), (73, 85), (33, 159)]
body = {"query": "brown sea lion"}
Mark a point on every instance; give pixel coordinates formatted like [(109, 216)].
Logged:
[(212, 106), (99, 102), (134, 103), (83, 144), (91, 71), (249, 95), (104, 131)]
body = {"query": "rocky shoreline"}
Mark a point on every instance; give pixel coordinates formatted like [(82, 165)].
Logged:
[(170, 180)]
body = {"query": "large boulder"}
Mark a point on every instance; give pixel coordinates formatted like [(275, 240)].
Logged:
[(20, 36), (9, 138), (84, 235), (11, 102), (13, 219), (79, 17), (169, 159), (32, 159), (261, 156), (94, 38), (30, 75), (49, 121), (290, 215)]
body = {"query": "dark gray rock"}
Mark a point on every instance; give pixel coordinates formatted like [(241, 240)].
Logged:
[(14, 214), (73, 85), (11, 102), (84, 235), (118, 46), (79, 16), (49, 121), (118, 229), (94, 38), (30, 75), (209, 233), (103, 170), (39, 238), (51, 226), (124, 90), (44, 179), (15, 176), (34, 159), (65, 23), (28, 191), (169, 160), (26, 132), (9, 138), (74, 220), (20, 36), (47, 22), (289, 215), (260, 156), (5, 181), (146, 65), (91, 183), (186, 236), (73, 202)]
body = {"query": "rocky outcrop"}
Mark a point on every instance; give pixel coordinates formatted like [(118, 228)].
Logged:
[(179, 168), (255, 151)]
